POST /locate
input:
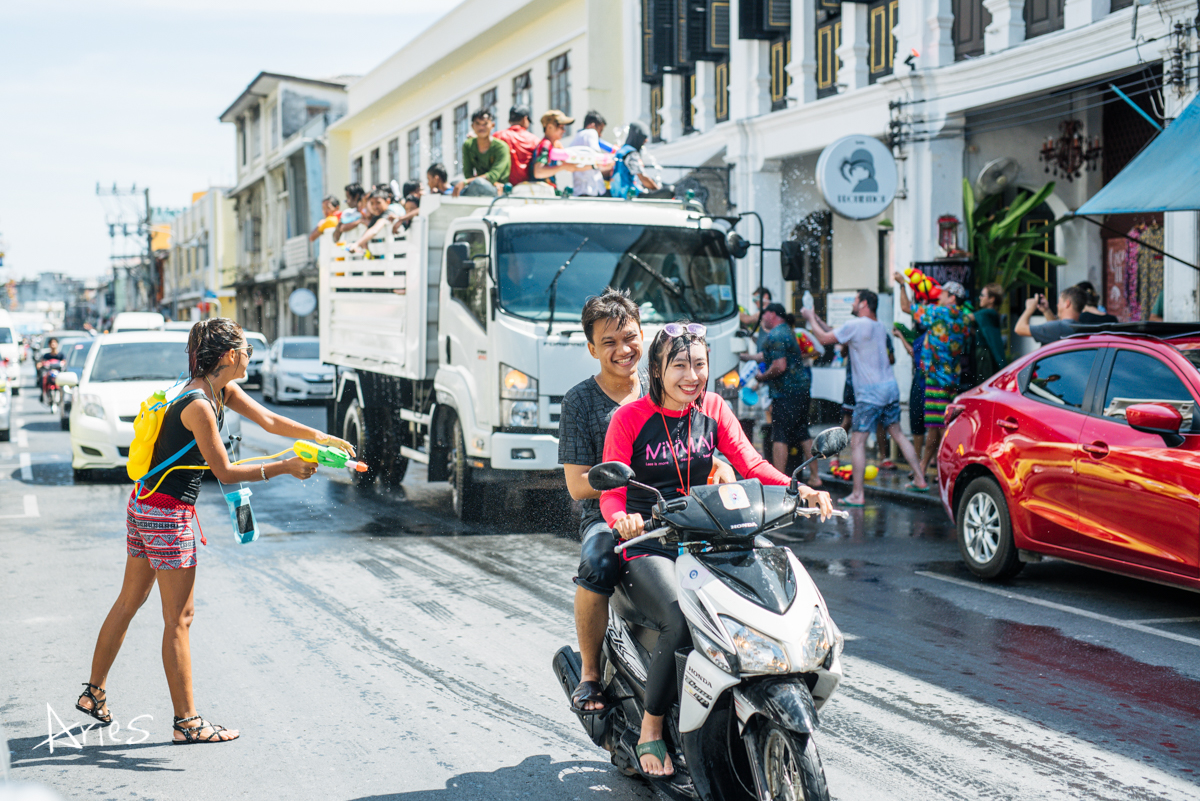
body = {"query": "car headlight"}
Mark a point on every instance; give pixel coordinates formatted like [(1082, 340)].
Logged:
[(519, 414), (756, 652), (313, 377), (92, 405), (715, 653), (294, 375), (822, 638)]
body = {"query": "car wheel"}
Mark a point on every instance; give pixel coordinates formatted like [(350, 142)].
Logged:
[(64, 423), (16, 390), (985, 531), (83, 476), (5, 435), (266, 395)]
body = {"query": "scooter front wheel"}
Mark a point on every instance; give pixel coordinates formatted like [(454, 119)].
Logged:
[(791, 765)]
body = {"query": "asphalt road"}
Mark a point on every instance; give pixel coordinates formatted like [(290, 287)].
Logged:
[(369, 646)]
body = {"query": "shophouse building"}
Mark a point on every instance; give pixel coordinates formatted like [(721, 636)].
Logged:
[(201, 270)]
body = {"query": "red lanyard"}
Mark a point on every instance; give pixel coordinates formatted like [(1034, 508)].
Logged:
[(686, 488)]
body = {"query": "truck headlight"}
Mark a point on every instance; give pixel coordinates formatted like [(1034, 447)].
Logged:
[(819, 642), (519, 414), (92, 406), (757, 653)]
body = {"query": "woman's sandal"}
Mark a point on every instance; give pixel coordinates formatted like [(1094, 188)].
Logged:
[(656, 749), (97, 704), (191, 734)]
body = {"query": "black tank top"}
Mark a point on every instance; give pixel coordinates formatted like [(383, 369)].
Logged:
[(182, 485)]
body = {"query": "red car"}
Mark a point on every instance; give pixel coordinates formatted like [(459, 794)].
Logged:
[(1087, 450)]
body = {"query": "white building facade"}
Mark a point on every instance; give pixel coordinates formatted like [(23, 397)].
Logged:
[(280, 156), (202, 266)]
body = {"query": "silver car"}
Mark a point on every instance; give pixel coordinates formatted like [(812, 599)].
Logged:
[(293, 371)]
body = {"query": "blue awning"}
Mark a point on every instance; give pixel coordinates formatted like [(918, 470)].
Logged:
[(1165, 176)]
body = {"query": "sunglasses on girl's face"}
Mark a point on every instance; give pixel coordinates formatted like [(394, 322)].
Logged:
[(675, 329), (249, 350)]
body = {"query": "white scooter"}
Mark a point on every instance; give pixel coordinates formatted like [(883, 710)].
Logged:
[(765, 653)]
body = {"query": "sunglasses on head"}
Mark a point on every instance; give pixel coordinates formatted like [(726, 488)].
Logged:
[(675, 329)]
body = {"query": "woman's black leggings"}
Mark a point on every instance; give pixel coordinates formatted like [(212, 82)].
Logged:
[(649, 582)]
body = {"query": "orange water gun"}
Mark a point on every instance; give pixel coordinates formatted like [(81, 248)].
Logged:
[(925, 289)]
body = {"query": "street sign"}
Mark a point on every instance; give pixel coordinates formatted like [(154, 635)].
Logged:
[(857, 177)]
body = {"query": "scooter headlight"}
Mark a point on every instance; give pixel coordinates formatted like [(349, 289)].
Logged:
[(820, 641), (715, 653), (756, 652)]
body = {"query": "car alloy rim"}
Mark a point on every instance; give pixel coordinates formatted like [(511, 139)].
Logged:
[(780, 765), (982, 527)]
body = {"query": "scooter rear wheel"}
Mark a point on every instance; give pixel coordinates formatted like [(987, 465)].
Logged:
[(791, 766)]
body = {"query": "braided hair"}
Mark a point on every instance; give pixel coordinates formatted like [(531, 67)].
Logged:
[(208, 341), (662, 350)]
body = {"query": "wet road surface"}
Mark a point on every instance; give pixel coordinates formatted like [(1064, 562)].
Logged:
[(369, 646)]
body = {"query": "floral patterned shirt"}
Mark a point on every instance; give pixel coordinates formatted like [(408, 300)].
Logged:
[(947, 327)]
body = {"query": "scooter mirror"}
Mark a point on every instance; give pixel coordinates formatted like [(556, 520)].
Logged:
[(610, 475), (830, 441)]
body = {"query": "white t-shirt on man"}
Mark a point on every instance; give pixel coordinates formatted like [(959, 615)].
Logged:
[(588, 182), (874, 381)]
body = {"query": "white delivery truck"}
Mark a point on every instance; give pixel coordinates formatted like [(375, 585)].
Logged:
[(455, 341)]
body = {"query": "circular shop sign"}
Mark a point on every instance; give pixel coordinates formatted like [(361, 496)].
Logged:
[(302, 302), (857, 177)]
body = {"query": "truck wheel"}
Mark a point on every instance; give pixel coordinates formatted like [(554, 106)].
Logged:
[(354, 431), (394, 469), (985, 537), (468, 497)]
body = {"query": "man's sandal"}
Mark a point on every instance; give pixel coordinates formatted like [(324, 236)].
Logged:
[(191, 734), (588, 692), (97, 703), (657, 749)]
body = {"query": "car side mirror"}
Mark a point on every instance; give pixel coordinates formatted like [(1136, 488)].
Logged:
[(1156, 418), (459, 265), (737, 245), (610, 476), (67, 380)]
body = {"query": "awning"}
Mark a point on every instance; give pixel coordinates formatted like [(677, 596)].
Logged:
[(1163, 177)]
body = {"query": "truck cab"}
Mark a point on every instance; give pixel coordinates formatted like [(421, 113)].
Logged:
[(456, 341)]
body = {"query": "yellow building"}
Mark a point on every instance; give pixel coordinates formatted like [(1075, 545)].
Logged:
[(202, 266)]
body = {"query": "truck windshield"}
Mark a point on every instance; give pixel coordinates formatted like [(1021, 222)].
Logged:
[(670, 272)]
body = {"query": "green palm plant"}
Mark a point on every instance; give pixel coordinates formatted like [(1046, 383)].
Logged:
[(1000, 249)]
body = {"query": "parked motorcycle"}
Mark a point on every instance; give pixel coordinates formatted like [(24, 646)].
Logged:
[(765, 653)]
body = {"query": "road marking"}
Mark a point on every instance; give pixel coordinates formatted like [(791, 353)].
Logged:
[(1126, 624), (1168, 620), (26, 467), (31, 509)]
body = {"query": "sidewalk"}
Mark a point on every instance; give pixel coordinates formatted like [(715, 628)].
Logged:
[(889, 484)]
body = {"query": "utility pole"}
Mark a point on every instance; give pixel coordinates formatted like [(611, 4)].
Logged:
[(122, 213)]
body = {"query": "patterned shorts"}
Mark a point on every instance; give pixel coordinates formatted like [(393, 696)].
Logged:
[(159, 528), (936, 399)]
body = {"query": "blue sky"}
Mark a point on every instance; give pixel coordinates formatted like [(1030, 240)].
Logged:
[(129, 91)]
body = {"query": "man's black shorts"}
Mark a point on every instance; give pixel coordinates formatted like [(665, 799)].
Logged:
[(789, 419)]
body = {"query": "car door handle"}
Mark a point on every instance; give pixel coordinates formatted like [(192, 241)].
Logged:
[(1007, 423), (1097, 449)]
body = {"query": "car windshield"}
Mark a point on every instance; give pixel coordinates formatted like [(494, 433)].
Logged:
[(77, 354), (140, 361), (6, 337), (670, 272), (301, 350)]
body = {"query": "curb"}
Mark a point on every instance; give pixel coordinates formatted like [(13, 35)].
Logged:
[(932, 499)]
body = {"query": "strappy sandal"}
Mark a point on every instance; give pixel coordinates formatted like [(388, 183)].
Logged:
[(191, 734), (97, 704), (588, 692)]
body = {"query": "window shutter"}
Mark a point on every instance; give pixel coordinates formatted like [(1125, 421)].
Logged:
[(777, 15), (718, 28), (658, 40), (689, 38)]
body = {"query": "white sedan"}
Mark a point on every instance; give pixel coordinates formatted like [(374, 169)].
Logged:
[(5, 407), (121, 371), (293, 371)]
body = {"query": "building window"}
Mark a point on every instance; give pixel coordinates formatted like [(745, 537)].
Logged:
[(435, 140), (829, 39), (781, 54), (414, 154), (881, 21), (1042, 17), (394, 160), (273, 113), (462, 129), (522, 90), (721, 76), (255, 134), (241, 133), (560, 84), (356, 172), (375, 167), (656, 104), (488, 101), (252, 233), (689, 99), (970, 18)]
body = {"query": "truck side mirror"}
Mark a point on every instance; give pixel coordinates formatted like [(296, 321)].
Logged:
[(738, 247), (459, 265)]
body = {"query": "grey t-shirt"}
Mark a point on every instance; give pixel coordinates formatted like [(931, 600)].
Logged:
[(582, 426), (1051, 331), (874, 381)]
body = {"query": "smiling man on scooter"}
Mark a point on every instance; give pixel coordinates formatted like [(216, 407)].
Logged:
[(613, 328)]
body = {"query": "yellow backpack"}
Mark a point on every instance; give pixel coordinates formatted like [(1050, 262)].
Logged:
[(145, 433)]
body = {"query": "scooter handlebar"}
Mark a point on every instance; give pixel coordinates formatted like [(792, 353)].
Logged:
[(651, 527), (809, 511)]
